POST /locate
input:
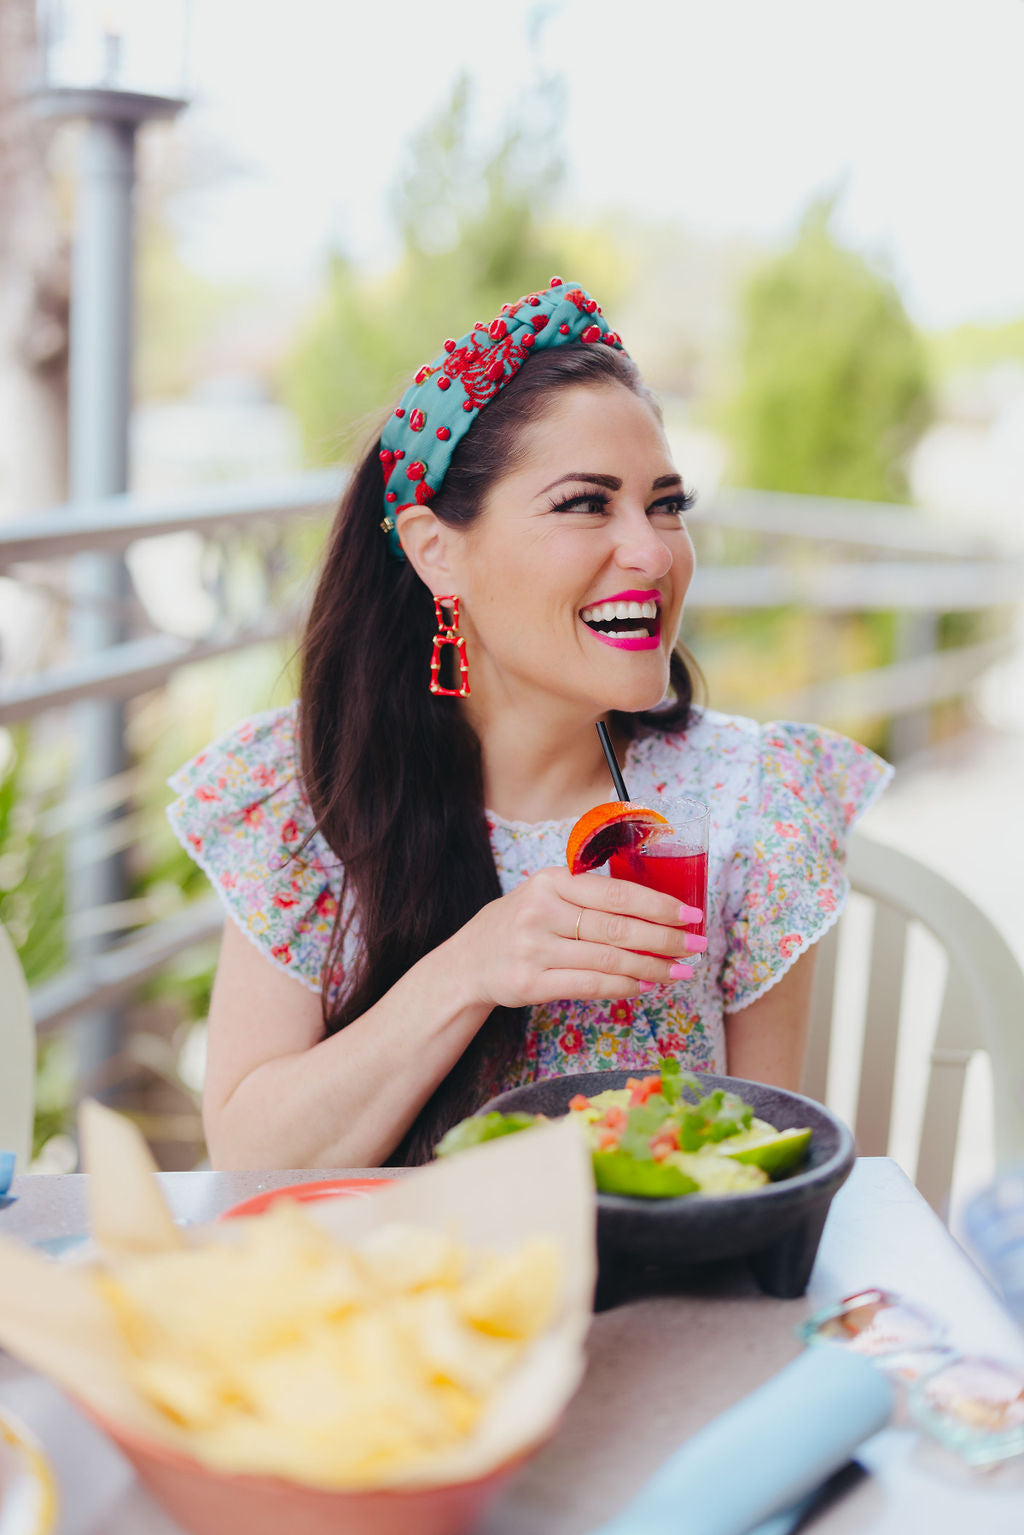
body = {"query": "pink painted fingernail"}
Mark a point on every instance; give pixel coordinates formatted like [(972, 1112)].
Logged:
[(681, 972), (649, 985), (690, 914), (695, 944)]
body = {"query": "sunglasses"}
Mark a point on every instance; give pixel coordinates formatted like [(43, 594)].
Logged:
[(971, 1404)]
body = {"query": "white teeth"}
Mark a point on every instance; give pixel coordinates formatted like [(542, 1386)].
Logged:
[(609, 610)]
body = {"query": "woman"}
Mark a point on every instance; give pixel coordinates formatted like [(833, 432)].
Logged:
[(407, 938)]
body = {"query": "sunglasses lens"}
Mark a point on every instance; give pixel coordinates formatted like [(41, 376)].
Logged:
[(974, 1406), (875, 1323)]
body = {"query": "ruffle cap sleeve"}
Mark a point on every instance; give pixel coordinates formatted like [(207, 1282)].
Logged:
[(787, 883), (241, 813)]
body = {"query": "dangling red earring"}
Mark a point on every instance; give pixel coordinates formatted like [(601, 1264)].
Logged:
[(448, 634)]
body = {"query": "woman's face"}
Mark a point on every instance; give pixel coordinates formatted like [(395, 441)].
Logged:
[(573, 578)]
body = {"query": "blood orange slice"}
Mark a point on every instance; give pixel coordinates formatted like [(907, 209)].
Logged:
[(608, 829)]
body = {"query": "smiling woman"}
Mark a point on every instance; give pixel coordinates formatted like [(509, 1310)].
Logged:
[(393, 845)]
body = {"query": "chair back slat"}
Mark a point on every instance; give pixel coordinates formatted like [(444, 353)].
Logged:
[(977, 950), (819, 1040), (982, 1009), (950, 1057), (881, 1031)]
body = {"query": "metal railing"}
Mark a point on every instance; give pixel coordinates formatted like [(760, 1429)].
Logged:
[(841, 558)]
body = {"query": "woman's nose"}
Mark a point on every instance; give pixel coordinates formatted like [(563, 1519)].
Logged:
[(642, 548)]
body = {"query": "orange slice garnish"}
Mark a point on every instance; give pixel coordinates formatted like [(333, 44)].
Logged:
[(608, 829)]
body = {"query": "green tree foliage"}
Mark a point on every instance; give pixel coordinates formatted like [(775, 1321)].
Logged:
[(834, 376), (976, 347), (471, 223)]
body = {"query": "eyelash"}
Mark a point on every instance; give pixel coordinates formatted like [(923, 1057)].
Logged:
[(679, 504)]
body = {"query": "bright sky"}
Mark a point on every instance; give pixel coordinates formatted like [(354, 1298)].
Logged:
[(723, 115)]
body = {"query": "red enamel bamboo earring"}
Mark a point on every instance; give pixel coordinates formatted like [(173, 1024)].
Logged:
[(448, 634)]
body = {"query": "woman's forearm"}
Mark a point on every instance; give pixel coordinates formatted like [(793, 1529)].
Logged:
[(279, 1095), (348, 1100)]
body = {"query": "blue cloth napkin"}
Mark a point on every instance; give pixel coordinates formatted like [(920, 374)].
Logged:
[(829, 1490), (6, 1170), (765, 1455)]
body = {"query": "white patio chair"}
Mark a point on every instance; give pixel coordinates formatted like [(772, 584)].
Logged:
[(982, 1009), (17, 1057)]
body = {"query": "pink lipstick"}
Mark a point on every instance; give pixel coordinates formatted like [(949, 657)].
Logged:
[(652, 595), (636, 629), (640, 642)]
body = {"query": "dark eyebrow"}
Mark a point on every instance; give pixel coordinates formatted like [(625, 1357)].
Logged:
[(612, 481), (609, 481)]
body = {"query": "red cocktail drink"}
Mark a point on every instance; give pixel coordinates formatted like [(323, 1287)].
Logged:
[(668, 867), (673, 860)]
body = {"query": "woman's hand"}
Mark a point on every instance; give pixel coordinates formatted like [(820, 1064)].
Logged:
[(575, 935)]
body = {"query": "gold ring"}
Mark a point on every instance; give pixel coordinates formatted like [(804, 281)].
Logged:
[(579, 919)]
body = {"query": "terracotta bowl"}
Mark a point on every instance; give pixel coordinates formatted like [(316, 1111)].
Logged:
[(643, 1243), (307, 1193), (210, 1502)]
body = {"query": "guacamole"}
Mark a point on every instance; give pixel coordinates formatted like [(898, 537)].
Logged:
[(650, 1140)]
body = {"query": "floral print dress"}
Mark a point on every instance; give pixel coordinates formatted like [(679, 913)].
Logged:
[(782, 799)]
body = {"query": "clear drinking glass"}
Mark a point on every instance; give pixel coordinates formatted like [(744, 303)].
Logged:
[(971, 1404), (674, 860)]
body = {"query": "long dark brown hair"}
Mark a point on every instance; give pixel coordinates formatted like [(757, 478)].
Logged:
[(392, 772)]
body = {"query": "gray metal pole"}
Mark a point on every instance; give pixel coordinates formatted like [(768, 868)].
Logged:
[(99, 407), (99, 413)]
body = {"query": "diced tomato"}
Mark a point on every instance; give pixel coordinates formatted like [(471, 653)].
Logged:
[(613, 1118), (608, 1140), (665, 1141), (640, 1091), (579, 1102)]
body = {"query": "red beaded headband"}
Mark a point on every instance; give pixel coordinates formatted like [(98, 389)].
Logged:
[(447, 395)]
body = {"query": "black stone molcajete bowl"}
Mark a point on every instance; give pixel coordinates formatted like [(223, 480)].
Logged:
[(775, 1228)]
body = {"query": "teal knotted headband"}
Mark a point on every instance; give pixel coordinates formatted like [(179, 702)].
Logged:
[(447, 395)]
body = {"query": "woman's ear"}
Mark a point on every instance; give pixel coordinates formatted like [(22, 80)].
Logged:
[(427, 546)]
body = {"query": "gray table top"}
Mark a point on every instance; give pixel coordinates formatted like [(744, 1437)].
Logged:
[(659, 1368)]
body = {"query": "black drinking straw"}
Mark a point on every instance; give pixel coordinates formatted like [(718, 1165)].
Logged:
[(613, 766)]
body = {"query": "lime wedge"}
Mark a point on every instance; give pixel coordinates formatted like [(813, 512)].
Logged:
[(484, 1127), (778, 1153), (716, 1174), (616, 1172)]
